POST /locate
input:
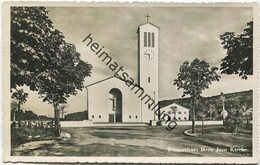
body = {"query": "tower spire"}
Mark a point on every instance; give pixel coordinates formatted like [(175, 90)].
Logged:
[(147, 17)]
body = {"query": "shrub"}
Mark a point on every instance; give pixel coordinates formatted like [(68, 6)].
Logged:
[(21, 135)]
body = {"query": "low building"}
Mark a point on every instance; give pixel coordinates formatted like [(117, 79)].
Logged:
[(176, 112)]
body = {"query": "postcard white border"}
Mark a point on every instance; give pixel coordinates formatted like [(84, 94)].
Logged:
[(6, 89)]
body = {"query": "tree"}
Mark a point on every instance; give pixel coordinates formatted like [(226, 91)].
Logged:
[(212, 111), (42, 59), (204, 107), (62, 110), (14, 106), (239, 110), (234, 108), (248, 114), (64, 76), (30, 115), (193, 78), (239, 57), (21, 98), (30, 40), (174, 110)]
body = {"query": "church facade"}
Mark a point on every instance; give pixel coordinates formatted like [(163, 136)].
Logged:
[(110, 100)]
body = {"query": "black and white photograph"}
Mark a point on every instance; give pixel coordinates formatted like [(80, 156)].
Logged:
[(145, 82)]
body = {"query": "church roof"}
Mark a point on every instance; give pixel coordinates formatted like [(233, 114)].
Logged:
[(172, 104), (145, 24), (114, 76), (99, 81)]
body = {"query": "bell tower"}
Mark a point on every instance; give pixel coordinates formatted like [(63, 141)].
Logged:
[(148, 51)]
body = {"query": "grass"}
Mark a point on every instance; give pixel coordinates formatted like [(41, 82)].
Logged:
[(218, 136)]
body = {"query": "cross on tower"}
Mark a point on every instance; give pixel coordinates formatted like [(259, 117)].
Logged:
[(147, 17)]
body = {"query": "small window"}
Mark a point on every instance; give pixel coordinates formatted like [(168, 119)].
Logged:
[(99, 116), (145, 39), (92, 116), (130, 117), (179, 118), (185, 118), (149, 39), (152, 39), (136, 116), (180, 113), (185, 113), (149, 79)]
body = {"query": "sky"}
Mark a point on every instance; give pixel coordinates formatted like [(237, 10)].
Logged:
[(185, 33)]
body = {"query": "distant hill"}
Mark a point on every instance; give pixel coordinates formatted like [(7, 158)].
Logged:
[(77, 116), (29, 115), (42, 117), (212, 99), (215, 100)]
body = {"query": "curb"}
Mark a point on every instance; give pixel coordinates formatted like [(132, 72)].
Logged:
[(189, 134)]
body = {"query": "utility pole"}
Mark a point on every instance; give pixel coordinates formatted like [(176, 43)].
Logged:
[(155, 104), (202, 131), (223, 104), (87, 104)]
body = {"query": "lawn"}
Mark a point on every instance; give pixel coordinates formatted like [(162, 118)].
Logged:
[(218, 136)]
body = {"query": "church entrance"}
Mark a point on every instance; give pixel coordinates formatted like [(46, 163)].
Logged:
[(115, 106)]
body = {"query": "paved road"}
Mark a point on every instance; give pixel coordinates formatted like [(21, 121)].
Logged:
[(127, 141)]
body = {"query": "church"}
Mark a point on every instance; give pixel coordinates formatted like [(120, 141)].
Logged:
[(110, 100)]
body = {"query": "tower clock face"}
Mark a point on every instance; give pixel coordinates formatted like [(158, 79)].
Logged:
[(149, 54)]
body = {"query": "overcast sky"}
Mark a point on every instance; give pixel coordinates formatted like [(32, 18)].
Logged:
[(185, 34)]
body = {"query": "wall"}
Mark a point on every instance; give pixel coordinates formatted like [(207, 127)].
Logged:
[(84, 123), (219, 122), (99, 104), (89, 123)]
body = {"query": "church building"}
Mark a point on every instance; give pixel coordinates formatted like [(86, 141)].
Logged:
[(111, 100)]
